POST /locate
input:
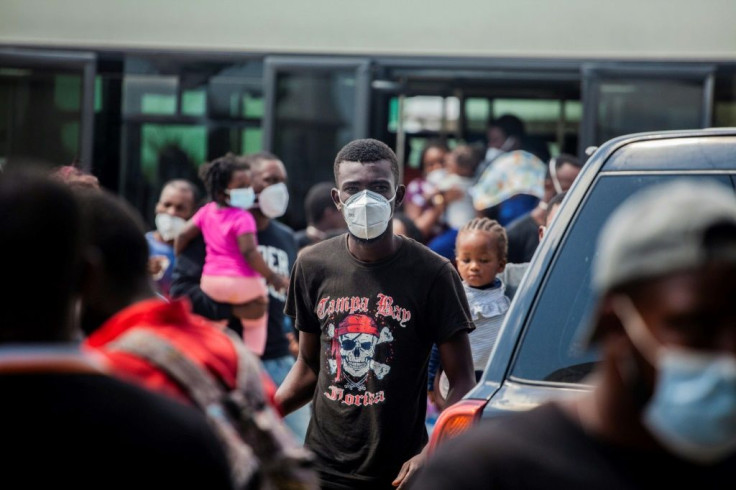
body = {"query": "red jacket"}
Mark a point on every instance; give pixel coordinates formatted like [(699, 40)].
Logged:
[(202, 342)]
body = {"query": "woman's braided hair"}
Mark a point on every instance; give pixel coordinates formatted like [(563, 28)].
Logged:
[(217, 174), (493, 228)]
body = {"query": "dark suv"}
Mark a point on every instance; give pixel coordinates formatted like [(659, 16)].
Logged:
[(538, 354)]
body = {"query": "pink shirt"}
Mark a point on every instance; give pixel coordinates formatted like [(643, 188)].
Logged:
[(221, 228)]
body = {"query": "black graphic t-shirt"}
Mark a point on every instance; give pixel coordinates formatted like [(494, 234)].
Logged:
[(278, 247), (377, 322)]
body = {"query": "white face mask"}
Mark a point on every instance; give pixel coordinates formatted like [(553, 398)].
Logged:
[(367, 214), (273, 200), (169, 226), (242, 198), (693, 409), (435, 177)]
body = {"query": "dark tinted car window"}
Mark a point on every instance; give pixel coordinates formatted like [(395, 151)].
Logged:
[(551, 349)]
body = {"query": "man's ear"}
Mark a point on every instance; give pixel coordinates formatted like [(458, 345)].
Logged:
[(501, 266), (336, 198), (400, 194)]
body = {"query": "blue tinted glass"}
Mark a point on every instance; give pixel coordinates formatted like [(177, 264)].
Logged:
[(551, 349)]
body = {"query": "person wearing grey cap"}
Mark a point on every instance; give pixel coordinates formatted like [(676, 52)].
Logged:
[(662, 410)]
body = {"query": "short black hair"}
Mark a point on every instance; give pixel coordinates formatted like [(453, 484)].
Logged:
[(367, 151), (183, 184), (41, 231), (319, 198), (254, 160), (567, 159), (115, 229), (509, 124), (217, 174)]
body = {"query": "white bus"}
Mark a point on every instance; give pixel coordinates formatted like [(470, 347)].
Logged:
[(143, 91)]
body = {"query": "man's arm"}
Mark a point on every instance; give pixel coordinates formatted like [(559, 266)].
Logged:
[(298, 387), (457, 362), (185, 236)]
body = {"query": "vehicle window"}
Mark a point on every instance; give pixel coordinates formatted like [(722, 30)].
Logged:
[(551, 348)]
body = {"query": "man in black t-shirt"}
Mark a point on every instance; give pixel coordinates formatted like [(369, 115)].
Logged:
[(662, 412), (369, 305)]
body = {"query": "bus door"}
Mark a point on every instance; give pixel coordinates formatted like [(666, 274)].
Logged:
[(46, 107), (314, 106), (623, 98)]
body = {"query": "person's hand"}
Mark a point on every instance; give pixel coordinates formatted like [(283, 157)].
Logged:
[(454, 194), (293, 344), (279, 282), (408, 470), (157, 265)]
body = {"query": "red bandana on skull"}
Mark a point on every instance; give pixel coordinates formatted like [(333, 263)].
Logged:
[(351, 324)]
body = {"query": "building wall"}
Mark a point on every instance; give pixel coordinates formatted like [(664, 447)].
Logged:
[(631, 29)]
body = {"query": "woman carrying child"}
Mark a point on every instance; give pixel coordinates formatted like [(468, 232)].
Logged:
[(234, 269)]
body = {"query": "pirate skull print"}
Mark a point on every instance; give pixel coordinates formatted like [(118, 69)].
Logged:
[(353, 349)]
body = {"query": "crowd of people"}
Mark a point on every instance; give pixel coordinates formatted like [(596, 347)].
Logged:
[(260, 357)]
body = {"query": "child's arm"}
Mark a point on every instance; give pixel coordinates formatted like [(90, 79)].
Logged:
[(188, 233), (249, 249)]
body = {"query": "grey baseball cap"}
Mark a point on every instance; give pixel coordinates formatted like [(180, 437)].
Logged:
[(663, 229)]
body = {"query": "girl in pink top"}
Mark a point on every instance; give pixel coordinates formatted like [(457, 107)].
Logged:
[(234, 269)]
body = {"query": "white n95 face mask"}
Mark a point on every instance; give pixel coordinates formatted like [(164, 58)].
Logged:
[(169, 226), (367, 214), (273, 200), (242, 198)]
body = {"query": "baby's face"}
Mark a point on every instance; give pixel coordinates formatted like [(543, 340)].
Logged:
[(477, 258)]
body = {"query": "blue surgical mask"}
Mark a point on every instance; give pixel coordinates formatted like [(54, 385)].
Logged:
[(242, 198), (693, 409), (692, 412)]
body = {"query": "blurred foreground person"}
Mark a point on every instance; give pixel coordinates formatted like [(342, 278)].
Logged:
[(75, 177), (163, 346), (64, 422), (663, 409)]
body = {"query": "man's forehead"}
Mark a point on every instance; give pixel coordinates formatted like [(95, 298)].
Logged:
[(365, 171), (175, 191), (268, 168)]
